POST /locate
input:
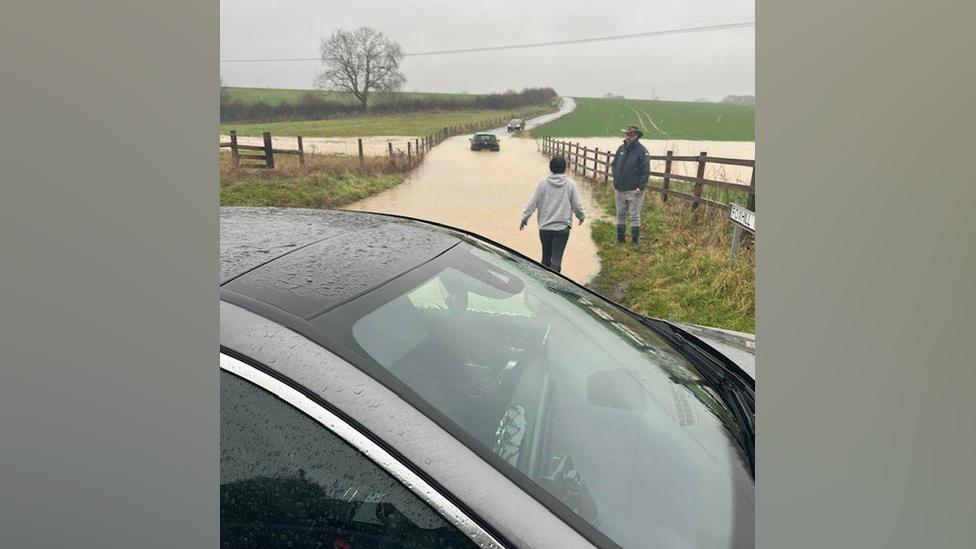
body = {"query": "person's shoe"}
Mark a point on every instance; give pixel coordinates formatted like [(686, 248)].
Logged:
[(621, 231), (634, 236)]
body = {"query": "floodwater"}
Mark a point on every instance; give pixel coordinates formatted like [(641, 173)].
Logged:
[(724, 149), (378, 145), (485, 192)]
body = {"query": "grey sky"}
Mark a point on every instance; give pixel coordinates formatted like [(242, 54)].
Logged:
[(706, 65)]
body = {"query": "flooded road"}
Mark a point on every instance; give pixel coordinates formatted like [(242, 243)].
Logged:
[(485, 192)]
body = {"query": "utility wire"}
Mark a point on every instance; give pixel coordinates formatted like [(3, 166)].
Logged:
[(686, 30)]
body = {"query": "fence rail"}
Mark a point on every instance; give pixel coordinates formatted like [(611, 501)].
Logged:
[(416, 149), (598, 165)]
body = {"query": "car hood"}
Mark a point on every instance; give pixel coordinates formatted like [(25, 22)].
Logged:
[(739, 347)]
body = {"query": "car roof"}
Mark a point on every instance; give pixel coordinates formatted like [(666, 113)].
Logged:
[(306, 262)]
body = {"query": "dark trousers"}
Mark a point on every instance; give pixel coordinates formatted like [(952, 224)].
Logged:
[(553, 245)]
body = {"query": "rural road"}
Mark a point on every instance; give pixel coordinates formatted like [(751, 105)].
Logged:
[(485, 192), (566, 106)]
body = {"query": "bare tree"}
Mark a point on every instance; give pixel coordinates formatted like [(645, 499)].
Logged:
[(361, 62)]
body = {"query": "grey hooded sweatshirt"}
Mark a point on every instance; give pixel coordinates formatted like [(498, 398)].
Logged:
[(557, 200)]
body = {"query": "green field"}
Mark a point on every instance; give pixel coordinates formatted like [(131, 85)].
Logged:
[(419, 124), (277, 96), (673, 120)]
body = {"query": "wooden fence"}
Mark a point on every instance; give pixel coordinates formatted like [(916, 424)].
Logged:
[(244, 155), (598, 165)]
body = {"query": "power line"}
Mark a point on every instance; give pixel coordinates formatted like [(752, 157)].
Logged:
[(686, 30)]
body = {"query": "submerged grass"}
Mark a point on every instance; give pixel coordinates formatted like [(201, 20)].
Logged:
[(682, 270)]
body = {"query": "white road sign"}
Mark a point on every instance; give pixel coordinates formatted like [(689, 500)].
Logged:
[(743, 217)]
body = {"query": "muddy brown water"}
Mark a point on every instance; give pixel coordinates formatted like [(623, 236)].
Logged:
[(378, 145), (485, 192), (683, 147)]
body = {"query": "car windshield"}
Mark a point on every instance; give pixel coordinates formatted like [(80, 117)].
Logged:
[(566, 393), (486, 137)]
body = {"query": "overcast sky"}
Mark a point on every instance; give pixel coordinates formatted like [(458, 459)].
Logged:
[(708, 65)]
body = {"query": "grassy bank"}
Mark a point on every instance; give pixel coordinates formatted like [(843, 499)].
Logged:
[(419, 124), (660, 120), (682, 270), (325, 182), (277, 96)]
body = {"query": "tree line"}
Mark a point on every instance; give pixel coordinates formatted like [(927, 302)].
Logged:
[(314, 105)]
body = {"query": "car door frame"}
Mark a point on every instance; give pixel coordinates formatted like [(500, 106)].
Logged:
[(413, 482)]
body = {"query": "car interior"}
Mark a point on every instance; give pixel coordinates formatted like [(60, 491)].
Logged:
[(433, 337)]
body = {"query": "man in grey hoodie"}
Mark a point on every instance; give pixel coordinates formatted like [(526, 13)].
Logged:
[(557, 199)]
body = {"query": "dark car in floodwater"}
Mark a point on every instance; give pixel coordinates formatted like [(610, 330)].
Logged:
[(482, 141), (516, 125), (388, 382)]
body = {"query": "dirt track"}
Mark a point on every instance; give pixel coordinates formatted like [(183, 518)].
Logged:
[(485, 192)]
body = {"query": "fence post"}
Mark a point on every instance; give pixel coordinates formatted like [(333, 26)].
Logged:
[(360, 143), (751, 202), (416, 143), (667, 176), (268, 151), (301, 152), (233, 148), (606, 169), (389, 147), (409, 155), (699, 183)]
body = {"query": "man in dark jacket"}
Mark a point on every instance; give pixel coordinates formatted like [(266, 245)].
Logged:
[(631, 169)]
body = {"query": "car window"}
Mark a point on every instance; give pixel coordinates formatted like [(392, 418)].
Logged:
[(286, 481), (565, 390)]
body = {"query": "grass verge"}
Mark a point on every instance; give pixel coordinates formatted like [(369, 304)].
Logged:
[(682, 270), (324, 182)]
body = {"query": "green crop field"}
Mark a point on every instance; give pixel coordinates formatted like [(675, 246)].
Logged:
[(418, 124), (277, 96), (659, 119)]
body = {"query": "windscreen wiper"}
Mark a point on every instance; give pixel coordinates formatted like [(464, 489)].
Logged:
[(738, 395)]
